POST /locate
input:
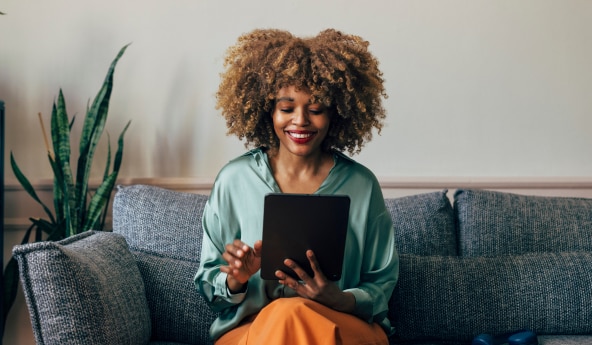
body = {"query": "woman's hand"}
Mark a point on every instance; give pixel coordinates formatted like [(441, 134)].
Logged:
[(317, 288), (243, 261)]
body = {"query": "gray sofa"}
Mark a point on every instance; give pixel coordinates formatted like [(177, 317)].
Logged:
[(489, 262)]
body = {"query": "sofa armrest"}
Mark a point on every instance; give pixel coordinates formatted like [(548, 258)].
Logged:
[(86, 288)]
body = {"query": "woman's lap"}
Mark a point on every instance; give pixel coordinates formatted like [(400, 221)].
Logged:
[(296, 321)]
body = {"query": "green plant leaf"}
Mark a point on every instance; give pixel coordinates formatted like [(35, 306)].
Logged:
[(27, 235), (98, 111), (60, 132), (119, 153), (108, 161), (91, 133), (72, 122), (101, 225), (27, 186), (58, 194), (116, 165), (54, 231), (100, 200)]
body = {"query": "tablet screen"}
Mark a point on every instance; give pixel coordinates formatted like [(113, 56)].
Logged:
[(294, 223)]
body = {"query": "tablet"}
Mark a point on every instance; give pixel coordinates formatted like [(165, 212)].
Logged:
[(294, 223)]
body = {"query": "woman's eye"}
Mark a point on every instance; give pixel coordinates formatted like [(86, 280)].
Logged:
[(316, 111), (286, 110)]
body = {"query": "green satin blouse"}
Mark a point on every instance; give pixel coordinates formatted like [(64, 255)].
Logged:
[(235, 211)]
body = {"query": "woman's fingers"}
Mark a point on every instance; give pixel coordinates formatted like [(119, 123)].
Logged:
[(314, 264), (286, 280), (232, 260), (300, 272), (237, 248), (257, 247)]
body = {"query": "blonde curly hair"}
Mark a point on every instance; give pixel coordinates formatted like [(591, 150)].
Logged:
[(337, 69)]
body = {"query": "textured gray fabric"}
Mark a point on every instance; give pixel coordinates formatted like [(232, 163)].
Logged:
[(440, 298), (163, 229), (101, 291), (495, 223), (84, 290), (177, 310), (455, 298), (565, 340), (424, 224), (160, 221)]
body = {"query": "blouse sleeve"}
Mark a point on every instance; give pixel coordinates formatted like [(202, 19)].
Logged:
[(210, 281), (380, 264), (381, 267)]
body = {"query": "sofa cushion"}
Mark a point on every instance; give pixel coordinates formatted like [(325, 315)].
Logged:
[(565, 340), (456, 298), (424, 224), (163, 228), (178, 312), (160, 221), (494, 223), (84, 287)]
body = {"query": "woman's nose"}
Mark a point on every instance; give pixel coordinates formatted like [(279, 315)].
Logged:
[(300, 117)]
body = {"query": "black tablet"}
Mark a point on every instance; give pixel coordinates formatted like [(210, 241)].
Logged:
[(294, 223)]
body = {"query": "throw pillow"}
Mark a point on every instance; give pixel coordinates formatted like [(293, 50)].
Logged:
[(494, 223), (424, 224), (84, 289)]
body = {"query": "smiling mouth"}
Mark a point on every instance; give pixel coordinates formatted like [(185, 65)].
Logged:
[(300, 135)]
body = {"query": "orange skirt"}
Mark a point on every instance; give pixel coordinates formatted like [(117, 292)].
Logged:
[(298, 321)]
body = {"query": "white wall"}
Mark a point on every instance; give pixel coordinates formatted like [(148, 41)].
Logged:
[(484, 90), (477, 88)]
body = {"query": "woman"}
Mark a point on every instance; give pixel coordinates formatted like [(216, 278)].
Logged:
[(300, 102)]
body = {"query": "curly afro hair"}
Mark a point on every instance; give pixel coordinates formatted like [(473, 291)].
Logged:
[(336, 69)]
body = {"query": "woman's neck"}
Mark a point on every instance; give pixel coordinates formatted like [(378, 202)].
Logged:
[(297, 174)]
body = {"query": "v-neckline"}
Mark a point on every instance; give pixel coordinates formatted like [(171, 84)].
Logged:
[(270, 179)]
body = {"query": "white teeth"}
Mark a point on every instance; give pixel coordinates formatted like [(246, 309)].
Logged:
[(301, 135)]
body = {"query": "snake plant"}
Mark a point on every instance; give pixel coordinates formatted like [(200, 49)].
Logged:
[(76, 208)]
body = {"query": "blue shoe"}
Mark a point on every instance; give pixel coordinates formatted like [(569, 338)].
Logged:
[(515, 338), (483, 339), (523, 338)]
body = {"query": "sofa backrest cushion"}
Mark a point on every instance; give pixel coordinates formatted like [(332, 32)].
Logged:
[(456, 298), (160, 221), (494, 223), (164, 232), (84, 288), (424, 224), (178, 313)]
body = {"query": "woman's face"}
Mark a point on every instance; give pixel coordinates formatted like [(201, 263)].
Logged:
[(301, 126)]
